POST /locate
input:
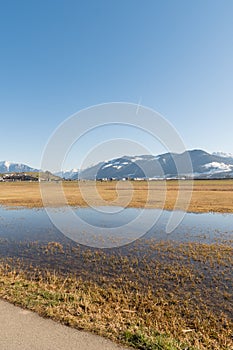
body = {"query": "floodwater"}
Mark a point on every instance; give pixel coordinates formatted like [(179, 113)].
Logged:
[(35, 225), (142, 252)]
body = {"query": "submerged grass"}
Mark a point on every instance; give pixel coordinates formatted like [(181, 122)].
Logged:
[(150, 296)]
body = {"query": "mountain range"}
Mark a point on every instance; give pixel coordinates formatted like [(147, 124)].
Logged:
[(68, 174), (11, 167), (205, 165)]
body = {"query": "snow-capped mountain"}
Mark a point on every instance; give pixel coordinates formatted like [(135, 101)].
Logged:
[(223, 154), (67, 174), (10, 167), (204, 165)]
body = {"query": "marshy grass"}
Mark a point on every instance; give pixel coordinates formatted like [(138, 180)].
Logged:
[(150, 295)]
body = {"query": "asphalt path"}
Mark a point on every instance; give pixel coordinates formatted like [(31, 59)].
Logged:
[(24, 330)]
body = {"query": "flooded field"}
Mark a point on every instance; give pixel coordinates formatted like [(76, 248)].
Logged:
[(186, 274), (35, 225)]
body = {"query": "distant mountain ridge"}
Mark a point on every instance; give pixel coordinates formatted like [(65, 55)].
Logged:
[(11, 167), (163, 166), (67, 174), (223, 154)]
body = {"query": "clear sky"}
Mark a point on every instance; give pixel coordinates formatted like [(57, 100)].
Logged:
[(60, 56)]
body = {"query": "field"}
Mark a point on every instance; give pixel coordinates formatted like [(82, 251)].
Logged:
[(151, 294), (207, 195)]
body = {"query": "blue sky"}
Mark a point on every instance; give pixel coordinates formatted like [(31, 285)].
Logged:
[(60, 56)]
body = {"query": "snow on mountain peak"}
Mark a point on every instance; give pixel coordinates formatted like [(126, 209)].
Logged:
[(223, 154), (6, 167), (219, 166), (7, 164)]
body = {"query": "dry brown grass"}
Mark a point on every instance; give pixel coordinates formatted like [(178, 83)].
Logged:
[(207, 195), (153, 293)]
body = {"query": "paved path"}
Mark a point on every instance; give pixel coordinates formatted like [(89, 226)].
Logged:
[(24, 330)]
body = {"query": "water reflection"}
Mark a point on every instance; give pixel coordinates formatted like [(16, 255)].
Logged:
[(35, 225)]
